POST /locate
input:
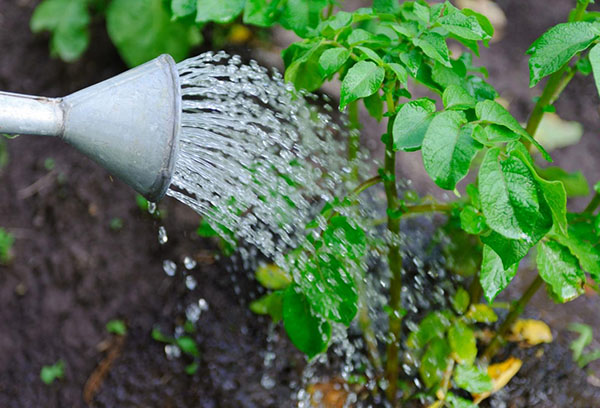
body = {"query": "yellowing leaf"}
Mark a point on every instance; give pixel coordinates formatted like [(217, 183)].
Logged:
[(273, 277), (501, 374), (331, 394), (554, 133), (530, 331)]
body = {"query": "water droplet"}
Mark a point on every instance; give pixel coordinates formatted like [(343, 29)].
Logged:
[(189, 263), (190, 282), (169, 267), (267, 382), (162, 235), (203, 304), (172, 351), (151, 207)]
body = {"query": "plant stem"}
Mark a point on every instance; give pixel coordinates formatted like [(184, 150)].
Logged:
[(557, 82), (392, 366), (354, 138), (515, 311), (593, 204), (426, 208)]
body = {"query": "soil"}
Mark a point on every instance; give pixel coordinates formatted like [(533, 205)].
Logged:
[(72, 273)]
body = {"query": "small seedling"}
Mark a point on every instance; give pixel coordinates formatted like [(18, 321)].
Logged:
[(49, 164), (7, 241), (116, 224), (117, 327), (185, 343), (586, 335), (50, 373)]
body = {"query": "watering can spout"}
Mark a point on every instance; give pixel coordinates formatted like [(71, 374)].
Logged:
[(129, 124)]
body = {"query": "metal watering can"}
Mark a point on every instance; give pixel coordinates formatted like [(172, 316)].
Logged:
[(129, 124)]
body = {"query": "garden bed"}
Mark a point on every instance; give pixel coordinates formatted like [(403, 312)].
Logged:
[(72, 272)]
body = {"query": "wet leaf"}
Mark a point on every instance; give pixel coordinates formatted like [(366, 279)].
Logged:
[(362, 80), (463, 26), (117, 327), (584, 244), (434, 362), (309, 332), (557, 46), (432, 326), (434, 46), (271, 304), (400, 71), (411, 124), (501, 374), (595, 63), (460, 300), (448, 149), (472, 221), (531, 331), (219, 11), (560, 270), (462, 342), (457, 98), (332, 60), (494, 277), (374, 105), (457, 402), (182, 8), (302, 65), (472, 379), (481, 313), (273, 277)]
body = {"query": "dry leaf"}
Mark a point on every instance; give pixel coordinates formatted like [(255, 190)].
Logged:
[(330, 394), (554, 133), (531, 332), (501, 374)]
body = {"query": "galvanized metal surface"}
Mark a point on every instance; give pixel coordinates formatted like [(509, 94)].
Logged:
[(129, 124)]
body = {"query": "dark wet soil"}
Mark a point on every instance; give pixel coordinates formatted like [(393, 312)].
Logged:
[(72, 273)]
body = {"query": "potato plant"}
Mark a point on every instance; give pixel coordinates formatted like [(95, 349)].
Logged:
[(517, 204)]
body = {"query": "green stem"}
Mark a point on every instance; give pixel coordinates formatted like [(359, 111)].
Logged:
[(392, 367), (475, 290), (365, 185), (426, 208), (557, 82), (513, 315), (593, 204), (354, 138)]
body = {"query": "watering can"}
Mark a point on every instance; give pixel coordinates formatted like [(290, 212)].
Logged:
[(129, 124)]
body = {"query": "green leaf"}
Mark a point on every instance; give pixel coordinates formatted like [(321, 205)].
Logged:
[(271, 304), (576, 185), (472, 221), (128, 22), (260, 12), (192, 368), (448, 149), (449, 76), (481, 313), (302, 16), (53, 372), (553, 191), (302, 62), (463, 26), (458, 402), (494, 277), (188, 345), (472, 378), (460, 300), (116, 327), (362, 80), (509, 198), (462, 342), (434, 362), (411, 124), (385, 6), (586, 335), (306, 330), (158, 335), (492, 112), (330, 288), (456, 97), (434, 46), (400, 72), (499, 134), (560, 270), (68, 21), (434, 325), (483, 21), (332, 60), (557, 46), (219, 11), (183, 8), (374, 105), (370, 54), (583, 243), (273, 277), (7, 241), (594, 57), (511, 251)]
